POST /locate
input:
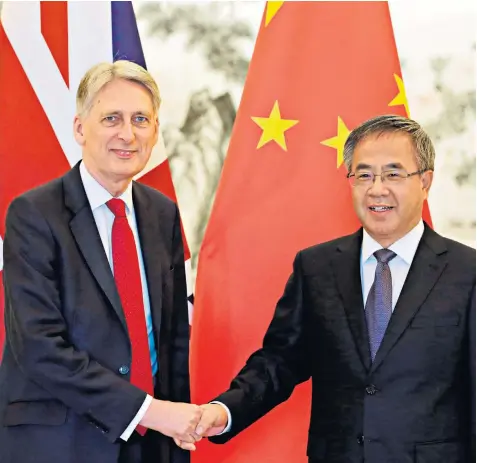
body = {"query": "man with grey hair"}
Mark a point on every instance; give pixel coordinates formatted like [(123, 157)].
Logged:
[(382, 321), (95, 366)]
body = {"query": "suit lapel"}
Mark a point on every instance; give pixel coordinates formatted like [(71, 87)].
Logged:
[(427, 266), (150, 237), (86, 234), (347, 270)]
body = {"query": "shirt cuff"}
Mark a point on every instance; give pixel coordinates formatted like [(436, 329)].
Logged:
[(229, 416), (139, 416)]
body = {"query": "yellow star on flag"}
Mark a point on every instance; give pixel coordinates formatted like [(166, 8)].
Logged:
[(400, 98), (274, 127), (338, 142), (271, 10)]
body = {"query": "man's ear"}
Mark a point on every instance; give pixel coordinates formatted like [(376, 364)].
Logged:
[(78, 130), (156, 127), (426, 179)]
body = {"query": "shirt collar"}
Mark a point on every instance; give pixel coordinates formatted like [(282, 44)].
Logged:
[(97, 195), (405, 247)]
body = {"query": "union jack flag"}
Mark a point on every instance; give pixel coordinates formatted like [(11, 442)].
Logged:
[(45, 48)]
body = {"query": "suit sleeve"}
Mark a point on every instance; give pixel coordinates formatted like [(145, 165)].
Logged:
[(38, 335), (180, 390), (179, 361), (271, 373), (472, 385)]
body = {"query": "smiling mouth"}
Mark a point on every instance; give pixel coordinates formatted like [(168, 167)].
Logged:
[(124, 153), (380, 208)]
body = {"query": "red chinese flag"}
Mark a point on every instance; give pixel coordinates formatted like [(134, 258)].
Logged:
[(318, 70)]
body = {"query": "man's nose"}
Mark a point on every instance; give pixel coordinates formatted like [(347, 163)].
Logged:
[(378, 188), (126, 132)]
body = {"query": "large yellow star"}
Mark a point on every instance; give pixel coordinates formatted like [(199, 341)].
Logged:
[(338, 142), (274, 127), (400, 98), (271, 10)]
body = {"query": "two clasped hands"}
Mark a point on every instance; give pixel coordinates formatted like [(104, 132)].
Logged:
[(185, 423)]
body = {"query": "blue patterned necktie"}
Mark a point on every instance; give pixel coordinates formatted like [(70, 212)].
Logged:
[(379, 303)]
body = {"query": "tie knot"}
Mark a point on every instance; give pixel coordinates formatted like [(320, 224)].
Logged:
[(384, 255), (117, 207)]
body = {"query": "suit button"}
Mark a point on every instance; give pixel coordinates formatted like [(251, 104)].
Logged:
[(360, 440), (371, 389), (124, 369)]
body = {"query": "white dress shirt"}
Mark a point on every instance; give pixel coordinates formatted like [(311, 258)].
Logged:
[(98, 196), (405, 250)]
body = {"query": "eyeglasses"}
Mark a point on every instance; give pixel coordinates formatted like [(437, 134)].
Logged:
[(363, 178)]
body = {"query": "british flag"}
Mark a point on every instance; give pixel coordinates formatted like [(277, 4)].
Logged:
[(45, 48)]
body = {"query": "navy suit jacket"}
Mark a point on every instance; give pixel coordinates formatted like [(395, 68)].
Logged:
[(65, 395), (415, 403)]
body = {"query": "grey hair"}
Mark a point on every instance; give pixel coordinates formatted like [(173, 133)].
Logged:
[(104, 73), (425, 153)]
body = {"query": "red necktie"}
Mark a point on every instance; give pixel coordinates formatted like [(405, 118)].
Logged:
[(128, 282)]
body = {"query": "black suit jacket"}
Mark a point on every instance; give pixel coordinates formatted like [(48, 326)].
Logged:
[(63, 397), (415, 403)]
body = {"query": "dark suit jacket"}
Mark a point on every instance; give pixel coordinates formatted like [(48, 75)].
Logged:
[(63, 397), (415, 402)]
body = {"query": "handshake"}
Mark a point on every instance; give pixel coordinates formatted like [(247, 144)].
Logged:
[(185, 423)]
